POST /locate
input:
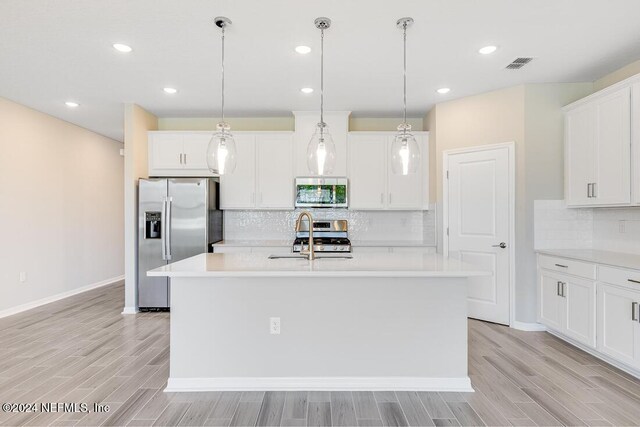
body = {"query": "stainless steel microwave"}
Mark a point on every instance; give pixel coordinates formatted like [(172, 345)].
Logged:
[(318, 192)]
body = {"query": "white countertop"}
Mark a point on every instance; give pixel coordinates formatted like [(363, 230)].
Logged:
[(354, 243), (614, 259), (361, 265)]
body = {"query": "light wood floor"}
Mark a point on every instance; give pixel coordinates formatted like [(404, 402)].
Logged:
[(83, 350)]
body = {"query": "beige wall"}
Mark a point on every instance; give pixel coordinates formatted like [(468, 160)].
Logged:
[(618, 75), (61, 203), (529, 116), (279, 123), (137, 122)]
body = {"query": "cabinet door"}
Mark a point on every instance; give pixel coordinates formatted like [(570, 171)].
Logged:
[(367, 171), (274, 171), (613, 149), (618, 333), (635, 124), (405, 191), (551, 303), (237, 190), (579, 310), (165, 152), (195, 151), (579, 154)]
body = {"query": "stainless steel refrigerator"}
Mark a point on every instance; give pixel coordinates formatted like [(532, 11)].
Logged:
[(177, 218)]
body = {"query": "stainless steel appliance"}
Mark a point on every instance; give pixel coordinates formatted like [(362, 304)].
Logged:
[(328, 236), (177, 218), (316, 192)]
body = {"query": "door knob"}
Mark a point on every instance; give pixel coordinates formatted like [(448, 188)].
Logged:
[(500, 245)]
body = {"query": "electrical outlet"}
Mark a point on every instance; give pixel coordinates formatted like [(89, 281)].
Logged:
[(274, 326), (622, 226), (23, 276)]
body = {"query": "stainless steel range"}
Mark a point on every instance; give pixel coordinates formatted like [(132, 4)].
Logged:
[(328, 236)]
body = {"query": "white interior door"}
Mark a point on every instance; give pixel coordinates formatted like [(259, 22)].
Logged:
[(479, 226)]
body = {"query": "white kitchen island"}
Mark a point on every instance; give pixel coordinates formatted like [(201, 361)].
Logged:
[(374, 322)]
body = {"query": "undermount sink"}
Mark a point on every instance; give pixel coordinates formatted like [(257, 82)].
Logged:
[(318, 256)]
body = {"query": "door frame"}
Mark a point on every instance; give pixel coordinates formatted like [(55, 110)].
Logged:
[(510, 146)]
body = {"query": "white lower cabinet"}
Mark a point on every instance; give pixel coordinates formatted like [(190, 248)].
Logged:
[(618, 325), (600, 310), (567, 304)]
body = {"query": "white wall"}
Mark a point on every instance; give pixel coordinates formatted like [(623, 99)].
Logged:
[(137, 122), (530, 116), (61, 204)]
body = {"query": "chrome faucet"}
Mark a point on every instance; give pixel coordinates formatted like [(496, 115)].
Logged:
[(309, 253)]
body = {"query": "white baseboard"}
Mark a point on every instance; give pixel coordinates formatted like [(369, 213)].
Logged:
[(129, 310), (318, 383), (596, 353), (528, 326), (28, 306)]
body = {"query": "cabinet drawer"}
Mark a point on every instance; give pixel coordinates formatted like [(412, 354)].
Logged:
[(568, 266), (619, 276)]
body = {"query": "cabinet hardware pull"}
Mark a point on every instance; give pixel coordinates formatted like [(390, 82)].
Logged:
[(563, 266), (389, 198), (564, 289), (588, 190), (633, 311), (185, 158), (558, 288), (180, 158), (594, 192), (634, 281)]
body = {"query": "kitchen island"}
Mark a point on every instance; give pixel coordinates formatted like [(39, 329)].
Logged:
[(373, 322)]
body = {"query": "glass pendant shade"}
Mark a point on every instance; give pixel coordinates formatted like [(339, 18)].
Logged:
[(321, 151), (405, 153), (221, 152)]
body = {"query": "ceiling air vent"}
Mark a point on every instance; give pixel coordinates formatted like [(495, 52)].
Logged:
[(518, 63)]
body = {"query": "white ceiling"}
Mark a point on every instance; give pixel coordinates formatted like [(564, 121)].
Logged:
[(52, 51)]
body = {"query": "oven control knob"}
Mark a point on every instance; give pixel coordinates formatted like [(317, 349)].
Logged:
[(335, 248)]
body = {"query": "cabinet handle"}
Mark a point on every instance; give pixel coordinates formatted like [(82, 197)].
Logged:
[(558, 288), (180, 158), (633, 311), (634, 281), (185, 158), (563, 266), (389, 198), (588, 190), (594, 188), (564, 289)]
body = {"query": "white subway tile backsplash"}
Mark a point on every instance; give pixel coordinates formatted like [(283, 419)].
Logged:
[(558, 227), (363, 225)]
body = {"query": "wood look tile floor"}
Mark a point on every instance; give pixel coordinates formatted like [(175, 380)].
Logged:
[(82, 349)]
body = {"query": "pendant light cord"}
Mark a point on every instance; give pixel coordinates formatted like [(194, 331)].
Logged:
[(404, 26), (322, 79), (223, 74)]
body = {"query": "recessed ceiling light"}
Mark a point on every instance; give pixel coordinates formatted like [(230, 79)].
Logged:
[(122, 47), (443, 90), (488, 50), (170, 90), (71, 104), (303, 49), (306, 90)]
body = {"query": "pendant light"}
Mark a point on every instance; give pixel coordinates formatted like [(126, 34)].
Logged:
[(221, 152), (321, 152), (405, 152)]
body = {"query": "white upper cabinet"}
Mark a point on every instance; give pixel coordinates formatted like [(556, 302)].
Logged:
[(238, 189), (178, 153), (263, 178), (306, 122), (598, 150), (275, 180), (372, 183)]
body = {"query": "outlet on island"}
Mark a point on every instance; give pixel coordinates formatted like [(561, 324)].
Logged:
[(274, 326)]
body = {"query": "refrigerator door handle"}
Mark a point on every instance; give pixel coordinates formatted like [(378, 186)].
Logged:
[(168, 228), (163, 229)]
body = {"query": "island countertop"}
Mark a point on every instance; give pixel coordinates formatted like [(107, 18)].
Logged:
[(360, 265)]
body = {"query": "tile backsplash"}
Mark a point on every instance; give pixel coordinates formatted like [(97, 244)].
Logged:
[(363, 225), (612, 229)]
